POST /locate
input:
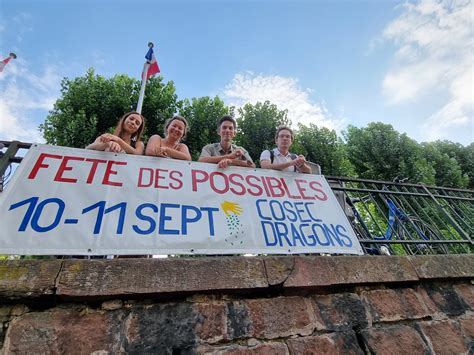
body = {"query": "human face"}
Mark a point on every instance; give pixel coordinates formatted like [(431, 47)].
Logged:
[(284, 140), (227, 131), (132, 123), (176, 129)]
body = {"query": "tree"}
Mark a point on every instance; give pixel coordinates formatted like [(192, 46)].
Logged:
[(322, 146), (448, 171), (256, 126), (468, 167), (378, 151), (203, 114), (464, 156), (91, 105)]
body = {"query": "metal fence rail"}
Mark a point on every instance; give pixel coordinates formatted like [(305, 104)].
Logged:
[(401, 218), (387, 217), (9, 158)]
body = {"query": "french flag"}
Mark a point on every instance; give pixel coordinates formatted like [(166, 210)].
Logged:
[(153, 67), (4, 62)]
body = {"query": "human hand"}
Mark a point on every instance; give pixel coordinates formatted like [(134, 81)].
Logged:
[(161, 151), (299, 162), (107, 137), (236, 154), (224, 163), (114, 147)]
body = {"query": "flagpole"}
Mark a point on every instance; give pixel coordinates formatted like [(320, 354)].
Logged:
[(141, 96)]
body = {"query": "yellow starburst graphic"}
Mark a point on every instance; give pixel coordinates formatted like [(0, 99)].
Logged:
[(231, 207)]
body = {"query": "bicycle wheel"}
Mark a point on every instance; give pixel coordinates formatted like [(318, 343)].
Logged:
[(372, 248), (415, 229)]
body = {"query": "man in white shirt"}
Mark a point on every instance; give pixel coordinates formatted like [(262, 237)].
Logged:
[(280, 157)]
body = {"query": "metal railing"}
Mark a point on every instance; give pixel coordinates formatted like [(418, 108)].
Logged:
[(9, 158), (387, 217), (405, 219)]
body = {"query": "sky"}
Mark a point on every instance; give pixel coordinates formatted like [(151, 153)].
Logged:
[(330, 63)]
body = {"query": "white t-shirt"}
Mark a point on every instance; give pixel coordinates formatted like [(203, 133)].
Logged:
[(278, 158)]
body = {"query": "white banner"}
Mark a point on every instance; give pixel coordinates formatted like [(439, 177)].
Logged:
[(66, 201)]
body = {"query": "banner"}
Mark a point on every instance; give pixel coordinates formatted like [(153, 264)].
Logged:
[(66, 201)]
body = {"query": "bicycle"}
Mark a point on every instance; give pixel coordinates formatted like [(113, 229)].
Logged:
[(406, 227)]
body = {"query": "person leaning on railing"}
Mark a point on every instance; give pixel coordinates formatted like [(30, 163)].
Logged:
[(171, 146), (126, 137), (225, 153), (280, 157)]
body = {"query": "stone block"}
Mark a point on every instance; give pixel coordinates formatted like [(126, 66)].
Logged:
[(211, 321), (442, 298), (466, 292), (445, 337), (271, 318), (340, 311), (28, 278), (326, 271), (388, 305), (93, 278), (5, 312), (394, 340), (64, 331), (328, 344), (278, 268), (160, 329), (444, 266), (467, 324), (272, 348)]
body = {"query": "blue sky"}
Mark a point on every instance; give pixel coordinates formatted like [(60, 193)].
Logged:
[(331, 63)]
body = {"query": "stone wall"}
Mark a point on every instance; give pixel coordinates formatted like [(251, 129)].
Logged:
[(239, 305)]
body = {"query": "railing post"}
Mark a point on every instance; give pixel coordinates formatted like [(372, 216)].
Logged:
[(450, 219), (6, 159)]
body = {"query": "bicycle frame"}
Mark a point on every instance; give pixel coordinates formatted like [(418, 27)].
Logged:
[(396, 219)]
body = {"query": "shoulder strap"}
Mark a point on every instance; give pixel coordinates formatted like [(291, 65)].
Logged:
[(293, 157), (272, 156)]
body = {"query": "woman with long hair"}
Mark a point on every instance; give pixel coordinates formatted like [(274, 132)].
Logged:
[(170, 147), (126, 137)]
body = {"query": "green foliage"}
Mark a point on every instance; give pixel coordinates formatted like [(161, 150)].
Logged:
[(203, 114), (448, 171), (461, 169), (257, 125), (322, 146), (380, 152), (91, 105)]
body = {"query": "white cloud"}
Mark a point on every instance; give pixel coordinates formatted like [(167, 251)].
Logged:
[(25, 99), (22, 22), (283, 92), (435, 55)]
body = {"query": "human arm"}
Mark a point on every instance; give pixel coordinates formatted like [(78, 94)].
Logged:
[(299, 163), (266, 163), (208, 157), (97, 145), (111, 142), (301, 166), (224, 163), (155, 148), (239, 157), (104, 145), (181, 152)]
